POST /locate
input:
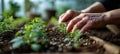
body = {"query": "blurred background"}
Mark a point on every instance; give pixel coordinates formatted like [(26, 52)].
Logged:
[(40, 8)]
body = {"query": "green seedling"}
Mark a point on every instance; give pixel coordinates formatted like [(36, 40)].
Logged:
[(75, 36), (54, 21), (10, 23), (62, 27), (32, 34)]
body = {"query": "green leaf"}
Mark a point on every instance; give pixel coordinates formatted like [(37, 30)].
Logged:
[(11, 19), (35, 47), (62, 27), (76, 45), (66, 39), (17, 42), (18, 33), (28, 27), (43, 41), (16, 39), (54, 21)]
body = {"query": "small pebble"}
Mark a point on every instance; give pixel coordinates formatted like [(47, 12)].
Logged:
[(60, 49), (54, 28), (53, 43), (61, 45)]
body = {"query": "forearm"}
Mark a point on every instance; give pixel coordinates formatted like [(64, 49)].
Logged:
[(97, 7), (113, 17)]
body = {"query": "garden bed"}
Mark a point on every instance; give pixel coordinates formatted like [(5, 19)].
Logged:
[(52, 39), (8, 29)]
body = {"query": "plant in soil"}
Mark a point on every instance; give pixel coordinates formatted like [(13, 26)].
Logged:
[(32, 34), (38, 36), (9, 24), (4, 25), (8, 28)]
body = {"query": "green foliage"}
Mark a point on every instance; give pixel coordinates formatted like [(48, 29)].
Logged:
[(14, 7), (5, 24), (32, 34), (75, 37), (62, 27), (54, 21), (9, 23), (17, 42)]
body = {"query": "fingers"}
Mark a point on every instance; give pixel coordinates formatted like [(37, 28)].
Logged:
[(74, 21), (81, 21), (87, 26), (68, 15), (60, 18), (80, 24)]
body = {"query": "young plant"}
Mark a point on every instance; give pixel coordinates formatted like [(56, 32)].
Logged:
[(75, 36), (62, 27), (54, 21), (32, 34), (9, 24)]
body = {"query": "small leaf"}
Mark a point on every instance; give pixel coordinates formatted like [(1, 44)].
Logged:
[(16, 39), (18, 33), (66, 39), (35, 47), (54, 21), (76, 45), (17, 44), (69, 44)]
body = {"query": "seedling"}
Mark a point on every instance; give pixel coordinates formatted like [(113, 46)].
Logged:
[(75, 36), (54, 21), (5, 24), (9, 24), (32, 34), (62, 27)]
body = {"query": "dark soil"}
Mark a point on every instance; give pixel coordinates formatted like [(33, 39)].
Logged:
[(106, 35), (5, 37), (56, 43)]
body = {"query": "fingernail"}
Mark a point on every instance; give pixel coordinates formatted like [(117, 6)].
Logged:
[(67, 30), (59, 22), (72, 31)]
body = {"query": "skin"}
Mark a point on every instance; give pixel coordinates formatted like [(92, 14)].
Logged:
[(94, 16)]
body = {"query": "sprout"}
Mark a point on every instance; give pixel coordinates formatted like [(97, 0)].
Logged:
[(31, 34), (75, 37), (62, 27)]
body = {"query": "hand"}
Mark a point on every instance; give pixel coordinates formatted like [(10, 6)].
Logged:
[(65, 17), (86, 21)]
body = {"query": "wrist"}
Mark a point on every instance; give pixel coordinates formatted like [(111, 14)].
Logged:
[(107, 17)]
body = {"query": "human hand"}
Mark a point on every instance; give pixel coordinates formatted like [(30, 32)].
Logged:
[(86, 21), (68, 15)]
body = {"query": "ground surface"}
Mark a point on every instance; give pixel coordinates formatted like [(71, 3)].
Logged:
[(56, 43)]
